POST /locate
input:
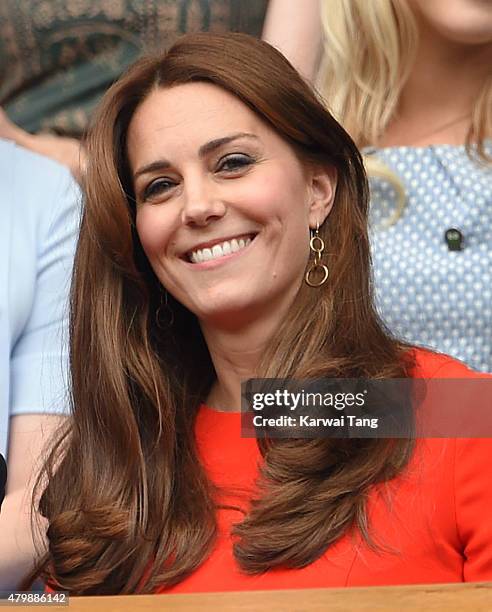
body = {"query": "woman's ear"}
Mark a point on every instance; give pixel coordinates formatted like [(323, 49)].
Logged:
[(323, 184)]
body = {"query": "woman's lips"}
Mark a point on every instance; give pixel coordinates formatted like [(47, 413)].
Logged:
[(219, 249)]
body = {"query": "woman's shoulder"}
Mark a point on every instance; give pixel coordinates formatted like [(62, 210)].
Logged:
[(20, 161), (432, 364), (31, 178), (36, 191)]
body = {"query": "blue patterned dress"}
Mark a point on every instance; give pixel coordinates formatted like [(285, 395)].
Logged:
[(426, 292)]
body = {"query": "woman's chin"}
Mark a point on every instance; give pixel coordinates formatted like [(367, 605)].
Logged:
[(230, 314)]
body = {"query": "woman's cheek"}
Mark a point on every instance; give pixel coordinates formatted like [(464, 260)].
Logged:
[(150, 231)]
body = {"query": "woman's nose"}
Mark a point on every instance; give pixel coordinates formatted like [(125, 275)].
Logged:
[(202, 205)]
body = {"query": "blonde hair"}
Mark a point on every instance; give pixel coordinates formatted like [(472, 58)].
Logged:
[(369, 51), (364, 67)]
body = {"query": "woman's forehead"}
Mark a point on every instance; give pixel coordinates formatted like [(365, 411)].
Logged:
[(180, 106), (171, 119)]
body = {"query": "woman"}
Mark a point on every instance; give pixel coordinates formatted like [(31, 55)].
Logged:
[(412, 81), (209, 167)]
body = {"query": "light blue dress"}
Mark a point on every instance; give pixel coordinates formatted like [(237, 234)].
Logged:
[(426, 292), (39, 203)]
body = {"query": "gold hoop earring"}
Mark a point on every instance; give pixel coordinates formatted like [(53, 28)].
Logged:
[(317, 246)]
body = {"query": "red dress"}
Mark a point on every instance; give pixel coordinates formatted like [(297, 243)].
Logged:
[(436, 515)]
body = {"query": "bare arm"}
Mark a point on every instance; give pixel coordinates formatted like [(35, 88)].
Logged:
[(294, 28), (28, 436)]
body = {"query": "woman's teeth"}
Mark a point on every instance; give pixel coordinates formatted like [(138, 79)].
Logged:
[(219, 250)]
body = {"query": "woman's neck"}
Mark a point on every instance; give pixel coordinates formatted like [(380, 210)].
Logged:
[(437, 100), (235, 355)]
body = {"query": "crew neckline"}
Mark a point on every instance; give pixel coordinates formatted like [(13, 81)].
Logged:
[(371, 150), (214, 410)]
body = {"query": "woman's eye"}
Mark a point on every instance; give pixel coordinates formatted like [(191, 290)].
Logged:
[(157, 188), (233, 163)]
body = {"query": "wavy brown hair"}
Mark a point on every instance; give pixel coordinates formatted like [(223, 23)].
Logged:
[(128, 503)]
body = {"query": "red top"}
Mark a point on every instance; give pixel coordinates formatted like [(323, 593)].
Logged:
[(438, 516)]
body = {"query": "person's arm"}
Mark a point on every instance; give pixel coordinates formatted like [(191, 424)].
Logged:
[(47, 201), (473, 500), (294, 28), (28, 437)]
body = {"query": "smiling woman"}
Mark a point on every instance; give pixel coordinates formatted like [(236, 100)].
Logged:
[(224, 237), (219, 193)]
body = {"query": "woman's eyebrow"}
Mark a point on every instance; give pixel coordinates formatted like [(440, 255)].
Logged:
[(159, 164), (219, 142), (205, 149)]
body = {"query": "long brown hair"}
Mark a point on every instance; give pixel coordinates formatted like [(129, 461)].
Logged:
[(128, 503)]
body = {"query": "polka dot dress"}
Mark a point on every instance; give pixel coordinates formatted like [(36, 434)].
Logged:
[(426, 292)]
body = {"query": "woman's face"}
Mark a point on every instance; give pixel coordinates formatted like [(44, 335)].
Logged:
[(224, 205), (459, 21)]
